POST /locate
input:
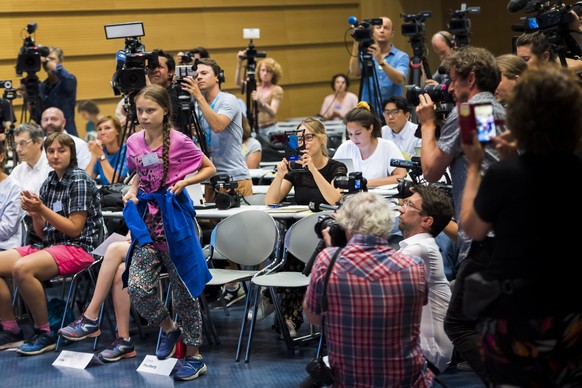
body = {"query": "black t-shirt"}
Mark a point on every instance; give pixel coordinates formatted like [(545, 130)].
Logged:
[(306, 189), (6, 114)]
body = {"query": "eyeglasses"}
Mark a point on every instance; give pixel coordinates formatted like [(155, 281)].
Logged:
[(392, 112), (308, 138), (410, 205), (23, 143)]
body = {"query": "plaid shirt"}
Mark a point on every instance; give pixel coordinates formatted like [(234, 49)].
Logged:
[(372, 324), (76, 192)]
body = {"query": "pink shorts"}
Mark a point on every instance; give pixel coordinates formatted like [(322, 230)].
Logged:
[(69, 259)]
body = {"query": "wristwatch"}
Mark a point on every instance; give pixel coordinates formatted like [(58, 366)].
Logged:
[(102, 157)]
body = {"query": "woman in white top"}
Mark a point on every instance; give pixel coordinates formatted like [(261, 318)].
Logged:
[(336, 105), (371, 154), (11, 212)]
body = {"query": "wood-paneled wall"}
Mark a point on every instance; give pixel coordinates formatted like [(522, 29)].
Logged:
[(310, 39)]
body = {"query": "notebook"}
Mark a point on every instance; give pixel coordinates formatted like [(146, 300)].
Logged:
[(349, 164), (196, 192)]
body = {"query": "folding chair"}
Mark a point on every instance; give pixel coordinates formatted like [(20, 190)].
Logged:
[(300, 241)]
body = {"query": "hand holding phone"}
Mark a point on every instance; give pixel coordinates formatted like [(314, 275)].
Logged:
[(293, 149), (476, 117)]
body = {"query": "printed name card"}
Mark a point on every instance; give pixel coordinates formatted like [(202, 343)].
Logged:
[(75, 360), (151, 364)]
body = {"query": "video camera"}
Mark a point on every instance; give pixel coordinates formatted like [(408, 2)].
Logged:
[(460, 24), (353, 183), (130, 74), (29, 56), (226, 200), (363, 33), (414, 25), (9, 91), (552, 20)]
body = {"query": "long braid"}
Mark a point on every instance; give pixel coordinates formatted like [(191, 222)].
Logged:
[(166, 153)]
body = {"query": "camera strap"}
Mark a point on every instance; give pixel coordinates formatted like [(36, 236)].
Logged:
[(325, 281)]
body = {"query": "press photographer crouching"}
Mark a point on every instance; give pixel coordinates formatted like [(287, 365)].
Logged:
[(384, 289)]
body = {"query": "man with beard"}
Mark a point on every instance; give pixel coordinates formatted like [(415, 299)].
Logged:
[(53, 120)]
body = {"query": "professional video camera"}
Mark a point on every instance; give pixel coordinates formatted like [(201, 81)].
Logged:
[(353, 183), (130, 74), (9, 91), (553, 20), (226, 200), (414, 28), (30, 53), (460, 24), (363, 33), (414, 25)]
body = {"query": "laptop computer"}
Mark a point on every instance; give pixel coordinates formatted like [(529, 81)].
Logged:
[(196, 192), (349, 164)]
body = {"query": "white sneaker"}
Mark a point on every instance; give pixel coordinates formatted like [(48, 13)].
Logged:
[(264, 308)]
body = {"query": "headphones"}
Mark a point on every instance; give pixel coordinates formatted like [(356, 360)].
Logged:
[(449, 39), (219, 73)]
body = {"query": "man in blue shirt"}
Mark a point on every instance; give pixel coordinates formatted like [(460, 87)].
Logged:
[(390, 66), (59, 90)]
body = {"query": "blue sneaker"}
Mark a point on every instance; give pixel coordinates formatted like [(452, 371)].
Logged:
[(39, 343), (192, 368), (168, 342), (80, 329), (119, 349)]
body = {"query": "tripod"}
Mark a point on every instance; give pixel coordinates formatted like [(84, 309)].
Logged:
[(249, 86), (31, 83), (128, 130), (369, 83), (189, 121), (418, 63)]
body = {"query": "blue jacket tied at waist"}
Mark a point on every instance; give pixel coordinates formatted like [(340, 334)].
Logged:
[(183, 244)]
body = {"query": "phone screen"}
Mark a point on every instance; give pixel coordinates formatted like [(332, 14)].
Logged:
[(485, 122)]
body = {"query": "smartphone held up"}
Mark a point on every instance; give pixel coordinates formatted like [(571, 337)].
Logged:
[(476, 117)]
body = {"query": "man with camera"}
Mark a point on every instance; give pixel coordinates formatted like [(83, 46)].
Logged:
[(373, 296), (474, 79), (392, 62), (59, 90)]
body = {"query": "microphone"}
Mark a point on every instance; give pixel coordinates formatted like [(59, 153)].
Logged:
[(516, 5), (120, 57), (404, 163), (353, 21), (318, 207)]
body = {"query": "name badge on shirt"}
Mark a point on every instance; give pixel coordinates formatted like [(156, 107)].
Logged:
[(57, 206), (149, 159)]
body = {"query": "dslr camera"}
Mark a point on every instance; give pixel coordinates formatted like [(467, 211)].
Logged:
[(319, 374), (353, 183), (230, 198), (337, 233), (133, 60), (28, 60)]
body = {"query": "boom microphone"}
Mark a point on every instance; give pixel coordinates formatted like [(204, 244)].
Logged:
[(404, 163)]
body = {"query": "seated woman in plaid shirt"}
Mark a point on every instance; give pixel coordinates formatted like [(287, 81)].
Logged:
[(67, 215)]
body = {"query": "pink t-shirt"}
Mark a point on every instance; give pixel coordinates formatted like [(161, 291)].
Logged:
[(184, 157)]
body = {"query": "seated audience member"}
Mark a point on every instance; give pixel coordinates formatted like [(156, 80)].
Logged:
[(86, 326), (53, 120), (399, 128), (511, 67), (107, 152), (33, 167), (422, 217), (251, 147), (341, 101), (90, 113), (67, 215), (10, 210), (370, 153), (312, 181), (374, 297), (529, 333)]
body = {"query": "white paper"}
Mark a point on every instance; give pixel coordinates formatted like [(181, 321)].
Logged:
[(114, 237), (151, 364), (76, 360)]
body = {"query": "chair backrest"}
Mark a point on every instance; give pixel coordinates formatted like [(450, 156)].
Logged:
[(256, 199), (246, 238), (301, 239)]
